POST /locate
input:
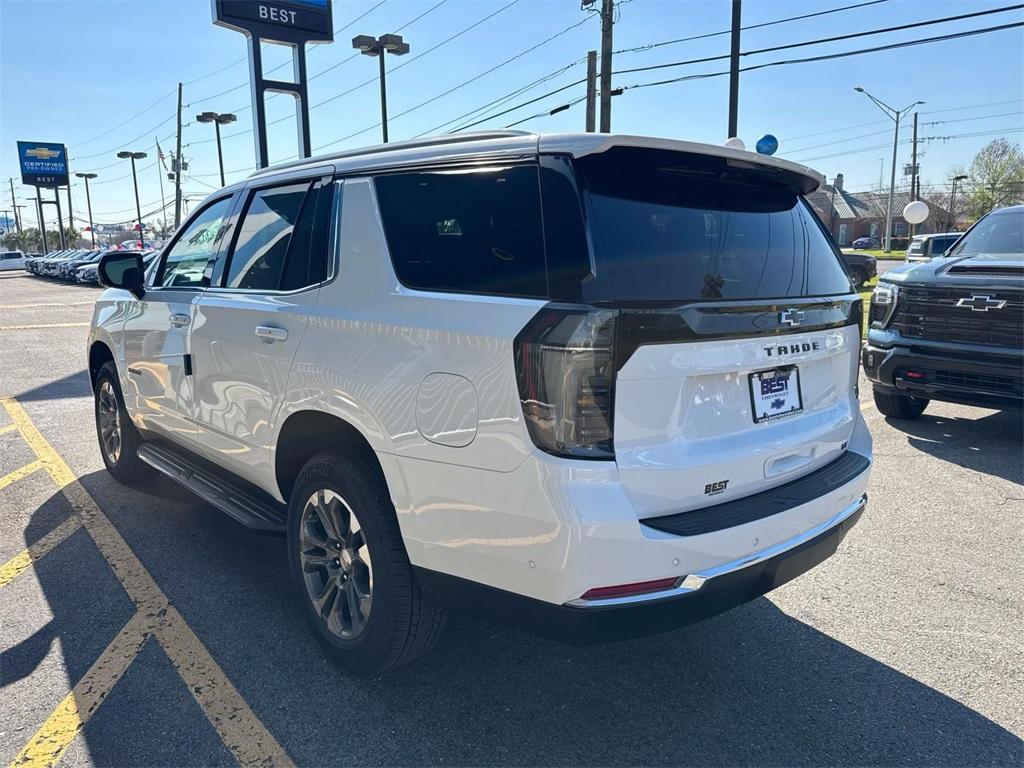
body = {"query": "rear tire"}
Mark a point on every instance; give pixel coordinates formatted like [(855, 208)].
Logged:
[(350, 568), (118, 438), (900, 406)]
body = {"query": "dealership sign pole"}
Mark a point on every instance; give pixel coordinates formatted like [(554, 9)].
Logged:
[(284, 22), (45, 165)]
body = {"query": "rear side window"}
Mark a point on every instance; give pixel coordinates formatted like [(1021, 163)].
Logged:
[(466, 230), (941, 244), (669, 228), (916, 246), (258, 259)]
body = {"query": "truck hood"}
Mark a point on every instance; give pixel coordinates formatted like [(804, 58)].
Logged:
[(989, 269)]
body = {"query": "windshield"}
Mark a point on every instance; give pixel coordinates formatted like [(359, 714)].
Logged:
[(999, 233), (668, 227)]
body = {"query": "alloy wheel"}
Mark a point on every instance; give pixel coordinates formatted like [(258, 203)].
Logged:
[(109, 418), (336, 566)]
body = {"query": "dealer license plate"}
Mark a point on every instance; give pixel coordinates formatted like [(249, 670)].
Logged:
[(775, 393)]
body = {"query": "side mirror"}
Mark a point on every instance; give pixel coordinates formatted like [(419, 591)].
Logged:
[(122, 270)]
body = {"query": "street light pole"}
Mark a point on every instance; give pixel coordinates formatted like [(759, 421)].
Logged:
[(88, 203), (378, 46), (218, 120), (133, 156), (896, 115), (951, 218)]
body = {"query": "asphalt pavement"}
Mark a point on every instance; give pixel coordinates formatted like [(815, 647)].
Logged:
[(152, 630)]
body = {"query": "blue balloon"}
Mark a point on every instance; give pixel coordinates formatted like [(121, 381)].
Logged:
[(767, 145)]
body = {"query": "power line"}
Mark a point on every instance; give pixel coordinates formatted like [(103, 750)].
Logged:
[(905, 142), (823, 40), (651, 46)]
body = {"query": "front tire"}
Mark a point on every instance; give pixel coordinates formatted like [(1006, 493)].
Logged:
[(118, 438), (349, 565), (900, 406)]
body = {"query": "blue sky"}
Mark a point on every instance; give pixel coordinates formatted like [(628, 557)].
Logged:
[(126, 58)]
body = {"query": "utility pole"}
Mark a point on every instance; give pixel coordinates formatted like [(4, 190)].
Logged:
[(734, 71), (591, 90), (71, 215), (914, 193), (160, 175), (14, 202), (17, 219), (177, 167), (607, 21)]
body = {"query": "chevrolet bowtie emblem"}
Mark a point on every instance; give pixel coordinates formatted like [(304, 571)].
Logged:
[(42, 153), (980, 302), (791, 317)]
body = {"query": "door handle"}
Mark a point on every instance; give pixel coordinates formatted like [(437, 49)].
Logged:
[(179, 319), (271, 334)]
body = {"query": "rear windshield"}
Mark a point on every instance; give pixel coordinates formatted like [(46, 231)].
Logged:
[(667, 227)]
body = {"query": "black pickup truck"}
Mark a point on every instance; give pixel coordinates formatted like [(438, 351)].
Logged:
[(952, 328)]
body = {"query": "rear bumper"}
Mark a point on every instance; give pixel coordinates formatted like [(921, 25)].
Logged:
[(966, 374), (696, 596)]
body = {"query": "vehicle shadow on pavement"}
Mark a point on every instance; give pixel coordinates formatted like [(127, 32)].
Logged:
[(751, 687), (992, 443), (72, 385)]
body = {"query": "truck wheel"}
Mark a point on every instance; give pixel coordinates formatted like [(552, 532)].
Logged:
[(350, 567), (118, 438), (900, 406)]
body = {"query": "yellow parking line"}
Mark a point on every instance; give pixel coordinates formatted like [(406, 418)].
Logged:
[(55, 304), (9, 428), (235, 722), (17, 474), (49, 743), (41, 325), (25, 558)]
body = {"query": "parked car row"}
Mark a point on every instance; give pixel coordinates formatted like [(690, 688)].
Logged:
[(78, 266)]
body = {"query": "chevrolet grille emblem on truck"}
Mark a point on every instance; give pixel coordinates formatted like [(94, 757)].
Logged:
[(791, 317), (981, 302)]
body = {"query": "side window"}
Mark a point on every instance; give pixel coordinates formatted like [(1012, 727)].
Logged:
[(185, 262), (311, 245), (469, 231), (258, 259)]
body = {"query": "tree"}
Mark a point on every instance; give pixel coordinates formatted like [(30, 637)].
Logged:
[(996, 178), (30, 241)]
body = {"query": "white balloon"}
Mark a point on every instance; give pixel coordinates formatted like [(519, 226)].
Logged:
[(915, 212), (735, 143)]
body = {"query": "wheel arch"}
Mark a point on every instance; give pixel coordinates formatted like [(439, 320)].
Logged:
[(99, 354), (307, 433)]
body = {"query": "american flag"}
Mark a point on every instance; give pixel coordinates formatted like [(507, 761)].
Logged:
[(160, 155)]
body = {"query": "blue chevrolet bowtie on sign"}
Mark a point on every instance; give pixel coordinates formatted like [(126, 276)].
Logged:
[(43, 164)]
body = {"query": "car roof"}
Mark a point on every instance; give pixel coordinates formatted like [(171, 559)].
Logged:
[(498, 145), (932, 235)]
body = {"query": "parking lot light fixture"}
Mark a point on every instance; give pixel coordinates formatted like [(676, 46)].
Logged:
[(218, 120), (378, 46), (133, 156), (88, 203), (896, 115)]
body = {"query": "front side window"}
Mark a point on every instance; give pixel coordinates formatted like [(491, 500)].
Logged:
[(265, 232), (186, 262), (670, 228), (467, 230)]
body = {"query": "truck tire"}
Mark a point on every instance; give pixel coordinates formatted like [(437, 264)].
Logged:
[(900, 406), (118, 438), (349, 565)]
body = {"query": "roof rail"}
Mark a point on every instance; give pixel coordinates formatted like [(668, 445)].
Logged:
[(430, 141)]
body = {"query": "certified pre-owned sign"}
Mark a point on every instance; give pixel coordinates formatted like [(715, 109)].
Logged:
[(291, 21), (43, 164)]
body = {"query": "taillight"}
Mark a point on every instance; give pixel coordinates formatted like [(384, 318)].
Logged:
[(883, 304), (565, 367)]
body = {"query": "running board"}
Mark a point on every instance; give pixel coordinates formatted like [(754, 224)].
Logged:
[(264, 514)]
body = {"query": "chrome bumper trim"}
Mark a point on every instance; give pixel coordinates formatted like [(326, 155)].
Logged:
[(695, 581)]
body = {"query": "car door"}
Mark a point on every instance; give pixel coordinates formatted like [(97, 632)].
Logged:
[(158, 385), (250, 321)]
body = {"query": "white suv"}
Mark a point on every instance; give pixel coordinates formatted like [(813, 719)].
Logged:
[(589, 385)]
